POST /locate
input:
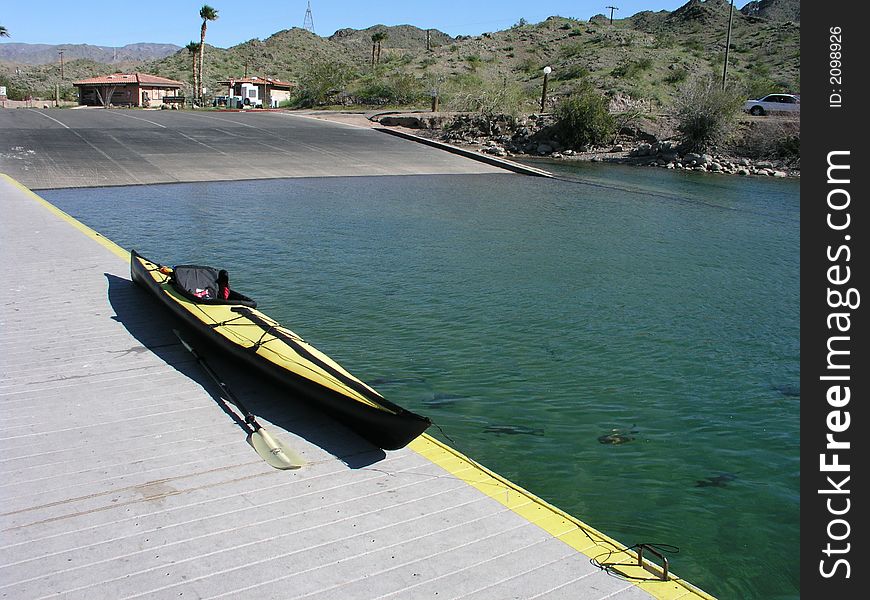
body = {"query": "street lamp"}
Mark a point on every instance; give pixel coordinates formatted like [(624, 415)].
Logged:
[(547, 71)]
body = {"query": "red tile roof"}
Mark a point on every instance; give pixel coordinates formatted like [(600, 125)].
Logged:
[(141, 78)]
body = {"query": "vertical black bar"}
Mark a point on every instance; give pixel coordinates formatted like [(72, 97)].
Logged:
[(834, 265)]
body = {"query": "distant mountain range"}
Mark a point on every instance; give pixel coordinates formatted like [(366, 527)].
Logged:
[(400, 36), (42, 54)]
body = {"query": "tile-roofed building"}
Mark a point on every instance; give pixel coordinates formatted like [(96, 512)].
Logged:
[(126, 89), (259, 91)]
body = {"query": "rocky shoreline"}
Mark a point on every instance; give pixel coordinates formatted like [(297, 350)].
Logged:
[(529, 138)]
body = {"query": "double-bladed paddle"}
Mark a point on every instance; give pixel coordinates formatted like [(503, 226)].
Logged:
[(270, 449)]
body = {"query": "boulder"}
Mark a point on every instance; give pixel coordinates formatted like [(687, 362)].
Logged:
[(643, 150)]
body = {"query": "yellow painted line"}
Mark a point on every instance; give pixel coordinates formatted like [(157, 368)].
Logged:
[(97, 237), (605, 551)]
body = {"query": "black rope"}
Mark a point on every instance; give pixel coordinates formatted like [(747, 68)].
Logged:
[(444, 433), (228, 321)]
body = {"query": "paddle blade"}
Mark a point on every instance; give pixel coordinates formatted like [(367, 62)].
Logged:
[(273, 451)]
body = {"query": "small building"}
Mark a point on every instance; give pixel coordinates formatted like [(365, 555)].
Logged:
[(265, 92), (126, 89)]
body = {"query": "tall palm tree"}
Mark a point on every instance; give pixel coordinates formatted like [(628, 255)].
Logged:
[(193, 48), (206, 13), (3, 32), (377, 38)]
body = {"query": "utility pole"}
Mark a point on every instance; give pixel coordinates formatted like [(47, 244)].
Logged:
[(727, 45), (61, 62), (428, 44), (612, 8)]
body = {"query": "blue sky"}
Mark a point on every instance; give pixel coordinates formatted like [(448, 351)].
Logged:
[(120, 22)]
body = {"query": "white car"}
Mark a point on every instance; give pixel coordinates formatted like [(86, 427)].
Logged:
[(774, 103)]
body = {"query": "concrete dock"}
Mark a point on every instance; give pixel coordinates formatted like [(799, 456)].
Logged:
[(126, 475)]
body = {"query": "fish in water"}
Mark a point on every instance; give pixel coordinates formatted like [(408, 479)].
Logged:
[(789, 391), (719, 480), (618, 436), (512, 430), (438, 400)]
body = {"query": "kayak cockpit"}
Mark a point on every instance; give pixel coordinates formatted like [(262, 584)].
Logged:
[(206, 285)]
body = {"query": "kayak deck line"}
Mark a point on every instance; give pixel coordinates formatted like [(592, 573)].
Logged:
[(126, 479)]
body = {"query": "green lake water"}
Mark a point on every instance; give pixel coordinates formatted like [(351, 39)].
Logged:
[(531, 317)]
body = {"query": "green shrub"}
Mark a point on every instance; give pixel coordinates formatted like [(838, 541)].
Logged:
[(13, 91), (571, 50), (529, 65), (319, 83), (693, 45), (665, 40), (633, 69), (644, 64), (583, 118), (473, 61), (757, 86), (678, 75), (469, 93), (572, 72), (767, 139), (789, 148), (398, 88), (705, 113)]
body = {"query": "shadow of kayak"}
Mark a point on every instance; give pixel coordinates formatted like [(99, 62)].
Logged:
[(151, 325)]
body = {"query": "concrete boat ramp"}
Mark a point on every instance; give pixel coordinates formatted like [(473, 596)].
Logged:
[(127, 475)]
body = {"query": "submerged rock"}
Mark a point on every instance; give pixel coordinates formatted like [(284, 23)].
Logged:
[(618, 436)]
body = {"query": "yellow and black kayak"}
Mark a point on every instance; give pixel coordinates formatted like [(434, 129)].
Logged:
[(234, 325)]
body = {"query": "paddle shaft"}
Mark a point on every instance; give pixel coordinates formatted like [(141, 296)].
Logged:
[(250, 419), (271, 450)]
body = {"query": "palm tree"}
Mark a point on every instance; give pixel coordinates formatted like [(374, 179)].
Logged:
[(377, 38), (3, 32), (206, 13), (193, 48)]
